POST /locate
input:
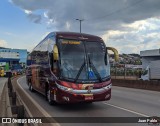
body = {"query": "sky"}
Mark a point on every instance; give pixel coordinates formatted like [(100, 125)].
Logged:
[(128, 25)]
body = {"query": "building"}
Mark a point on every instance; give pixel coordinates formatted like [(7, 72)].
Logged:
[(148, 56), (13, 56)]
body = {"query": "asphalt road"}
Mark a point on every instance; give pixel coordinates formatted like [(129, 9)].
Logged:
[(2, 83), (125, 102)]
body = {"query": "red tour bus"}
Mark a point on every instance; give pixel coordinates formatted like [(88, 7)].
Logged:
[(70, 67)]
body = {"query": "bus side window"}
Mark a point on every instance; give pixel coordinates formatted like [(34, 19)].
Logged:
[(41, 72), (51, 60), (54, 64)]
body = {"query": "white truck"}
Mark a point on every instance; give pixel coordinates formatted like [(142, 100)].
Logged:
[(152, 72)]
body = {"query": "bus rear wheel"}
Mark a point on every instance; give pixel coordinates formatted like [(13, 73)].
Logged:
[(30, 87)]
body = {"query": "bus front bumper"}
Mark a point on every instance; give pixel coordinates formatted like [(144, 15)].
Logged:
[(76, 96)]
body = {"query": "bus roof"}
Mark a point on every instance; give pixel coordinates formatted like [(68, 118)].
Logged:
[(78, 36), (72, 35)]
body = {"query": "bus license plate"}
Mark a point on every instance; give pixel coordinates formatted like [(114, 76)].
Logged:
[(88, 97)]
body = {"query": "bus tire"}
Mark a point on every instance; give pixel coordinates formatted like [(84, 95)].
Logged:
[(48, 93), (30, 87)]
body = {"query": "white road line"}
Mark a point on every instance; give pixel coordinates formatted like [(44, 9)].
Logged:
[(36, 104), (131, 111)]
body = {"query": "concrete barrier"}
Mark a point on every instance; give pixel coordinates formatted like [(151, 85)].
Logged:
[(2, 85), (8, 104), (139, 84), (5, 105)]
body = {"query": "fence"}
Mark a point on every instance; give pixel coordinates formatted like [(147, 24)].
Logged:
[(125, 73)]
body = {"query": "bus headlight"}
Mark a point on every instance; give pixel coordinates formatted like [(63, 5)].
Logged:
[(108, 87), (64, 88)]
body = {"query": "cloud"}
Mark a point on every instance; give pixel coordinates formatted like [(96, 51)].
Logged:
[(27, 11), (34, 17), (100, 15), (118, 22), (3, 43), (134, 37)]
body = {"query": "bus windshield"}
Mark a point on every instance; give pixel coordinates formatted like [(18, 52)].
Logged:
[(82, 61)]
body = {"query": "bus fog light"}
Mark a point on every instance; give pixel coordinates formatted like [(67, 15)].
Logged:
[(107, 96), (66, 98)]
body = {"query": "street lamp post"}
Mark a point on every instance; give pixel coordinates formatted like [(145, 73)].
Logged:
[(80, 20)]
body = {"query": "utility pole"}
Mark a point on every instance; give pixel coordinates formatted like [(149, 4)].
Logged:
[(80, 20)]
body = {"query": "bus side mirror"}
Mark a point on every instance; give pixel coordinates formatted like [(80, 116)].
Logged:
[(116, 55), (55, 52)]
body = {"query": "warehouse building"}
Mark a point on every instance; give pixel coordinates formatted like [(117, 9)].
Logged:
[(148, 56), (13, 56)]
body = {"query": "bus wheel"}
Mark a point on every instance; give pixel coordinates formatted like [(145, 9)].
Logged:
[(30, 87), (50, 101)]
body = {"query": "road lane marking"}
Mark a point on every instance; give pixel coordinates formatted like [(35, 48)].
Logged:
[(128, 110), (36, 104)]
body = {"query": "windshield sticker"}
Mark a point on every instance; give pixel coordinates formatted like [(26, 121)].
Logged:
[(91, 74)]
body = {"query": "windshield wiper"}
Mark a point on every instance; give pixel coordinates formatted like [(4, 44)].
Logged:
[(94, 70), (79, 72)]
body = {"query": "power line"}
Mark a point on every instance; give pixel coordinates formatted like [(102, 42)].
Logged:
[(121, 9)]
